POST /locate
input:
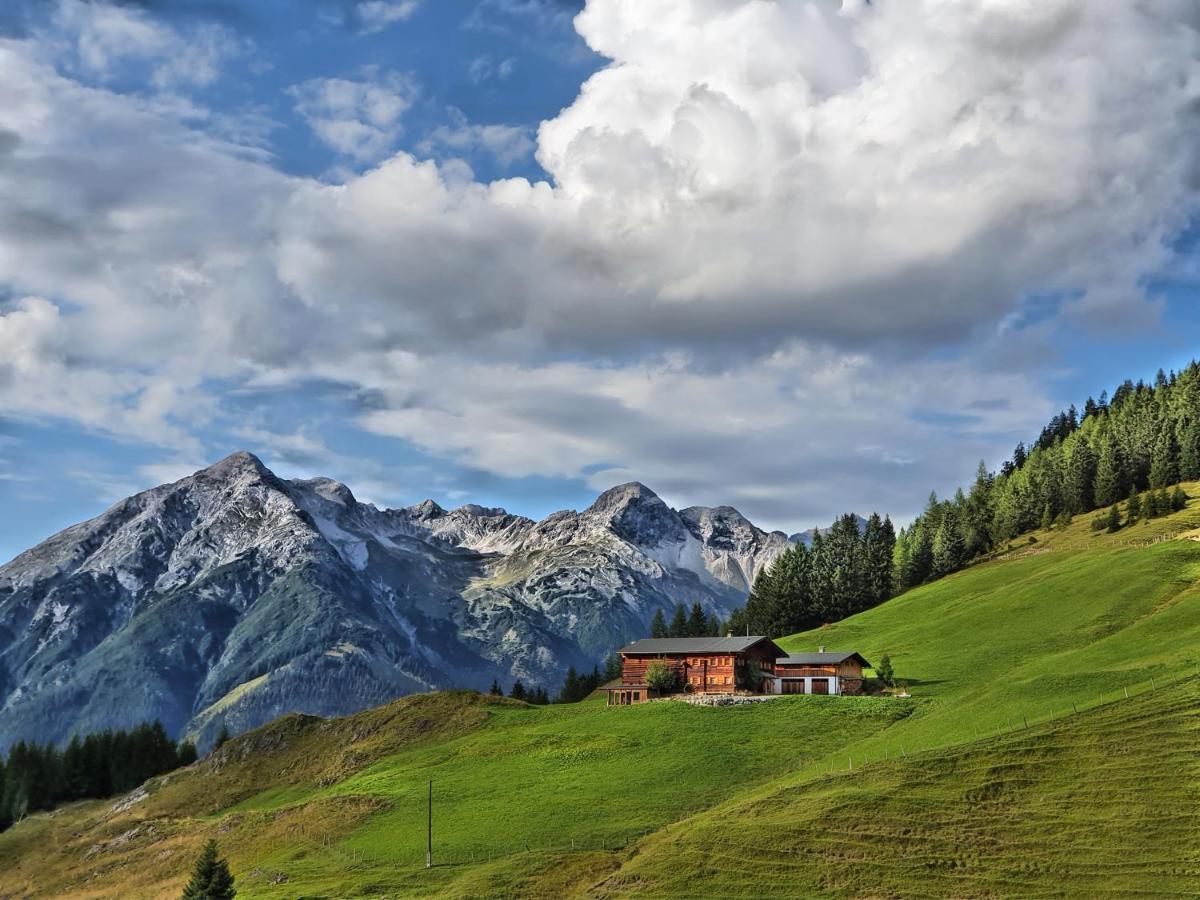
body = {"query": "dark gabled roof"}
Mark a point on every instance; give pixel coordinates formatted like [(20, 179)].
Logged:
[(832, 658), (653, 646)]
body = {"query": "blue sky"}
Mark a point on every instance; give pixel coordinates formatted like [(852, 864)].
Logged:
[(744, 265)]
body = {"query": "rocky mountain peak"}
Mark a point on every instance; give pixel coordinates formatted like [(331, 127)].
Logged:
[(427, 509), (637, 514), (333, 491)]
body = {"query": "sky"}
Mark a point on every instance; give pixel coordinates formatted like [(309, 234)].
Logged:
[(796, 256)]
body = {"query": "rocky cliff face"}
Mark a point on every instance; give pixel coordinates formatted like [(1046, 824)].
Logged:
[(233, 596)]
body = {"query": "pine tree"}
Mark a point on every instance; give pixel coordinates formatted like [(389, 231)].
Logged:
[(679, 624), (612, 667), (185, 753), (1112, 473), (495, 690), (1164, 464), (697, 622), (1047, 521), (949, 549), (884, 670), (1178, 499), (518, 690), (658, 627), (714, 626), (879, 547), (1133, 507), (211, 878), (1078, 478), (1189, 453), (570, 692), (1114, 518)]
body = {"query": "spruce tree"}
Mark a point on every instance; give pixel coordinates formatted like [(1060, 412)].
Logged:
[(658, 627), (211, 878), (1178, 499), (714, 626), (1133, 507), (1079, 477), (1164, 464), (884, 670), (518, 690), (679, 624), (495, 690), (185, 753), (697, 622), (1114, 518), (1047, 521), (1112, 475), (1189, 452), (948, 546)]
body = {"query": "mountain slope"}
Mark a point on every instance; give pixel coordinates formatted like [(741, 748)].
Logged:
[(578, 800), (233, 596)]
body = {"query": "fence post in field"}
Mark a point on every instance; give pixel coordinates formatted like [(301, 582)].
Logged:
[(1126, 692), (429, 830)]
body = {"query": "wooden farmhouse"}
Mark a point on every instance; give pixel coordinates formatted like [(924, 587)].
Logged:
[(819, 673), (728, 665), (707, 665)]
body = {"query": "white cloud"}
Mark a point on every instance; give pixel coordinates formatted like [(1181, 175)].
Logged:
[(360, 119), (102, 37), (376, 15), (508, 144), (765, 221)]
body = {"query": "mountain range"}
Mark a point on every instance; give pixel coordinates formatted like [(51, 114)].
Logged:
[(232, 596)]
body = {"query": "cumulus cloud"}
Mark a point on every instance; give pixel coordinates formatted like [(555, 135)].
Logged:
[(765, 221), (358, 118)]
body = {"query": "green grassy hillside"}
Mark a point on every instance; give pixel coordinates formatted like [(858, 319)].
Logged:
[(1101, 804), (572, 800)]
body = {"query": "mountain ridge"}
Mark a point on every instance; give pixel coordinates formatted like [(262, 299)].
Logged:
[(232, 596)]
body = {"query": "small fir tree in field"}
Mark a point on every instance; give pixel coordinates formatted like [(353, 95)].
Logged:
[(1099, 523), (1114, 518), (571, 689), (660, 677), (658, 627), (884, 670), (1178, 499), (211, 878), (495, 690), (1133, 506), (518, 690)]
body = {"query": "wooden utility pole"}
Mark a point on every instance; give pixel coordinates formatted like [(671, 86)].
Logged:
[(429, 830)]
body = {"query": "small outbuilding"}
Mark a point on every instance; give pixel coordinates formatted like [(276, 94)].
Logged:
[(834, 672)]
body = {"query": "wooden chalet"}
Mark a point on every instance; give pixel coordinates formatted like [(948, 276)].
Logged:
[(819, 673), (707, 665)]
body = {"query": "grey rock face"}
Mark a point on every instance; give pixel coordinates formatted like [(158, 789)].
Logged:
[(233, 596)]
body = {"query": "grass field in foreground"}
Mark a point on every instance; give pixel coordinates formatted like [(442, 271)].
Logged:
[(1099, 804), (312, 808)]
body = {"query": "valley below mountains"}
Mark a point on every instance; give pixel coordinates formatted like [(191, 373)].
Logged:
[(233, 596)]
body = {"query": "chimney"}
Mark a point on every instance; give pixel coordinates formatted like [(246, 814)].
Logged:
[(821, 649), (729, 634)]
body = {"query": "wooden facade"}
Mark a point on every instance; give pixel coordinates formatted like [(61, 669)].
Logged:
[(701, 666)]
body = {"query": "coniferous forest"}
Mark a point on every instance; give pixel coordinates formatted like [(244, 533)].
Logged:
[(1124, 456), (1121, 455), (842, 573), (38, 777)]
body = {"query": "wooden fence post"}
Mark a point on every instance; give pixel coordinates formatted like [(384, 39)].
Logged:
[(429, 830)]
